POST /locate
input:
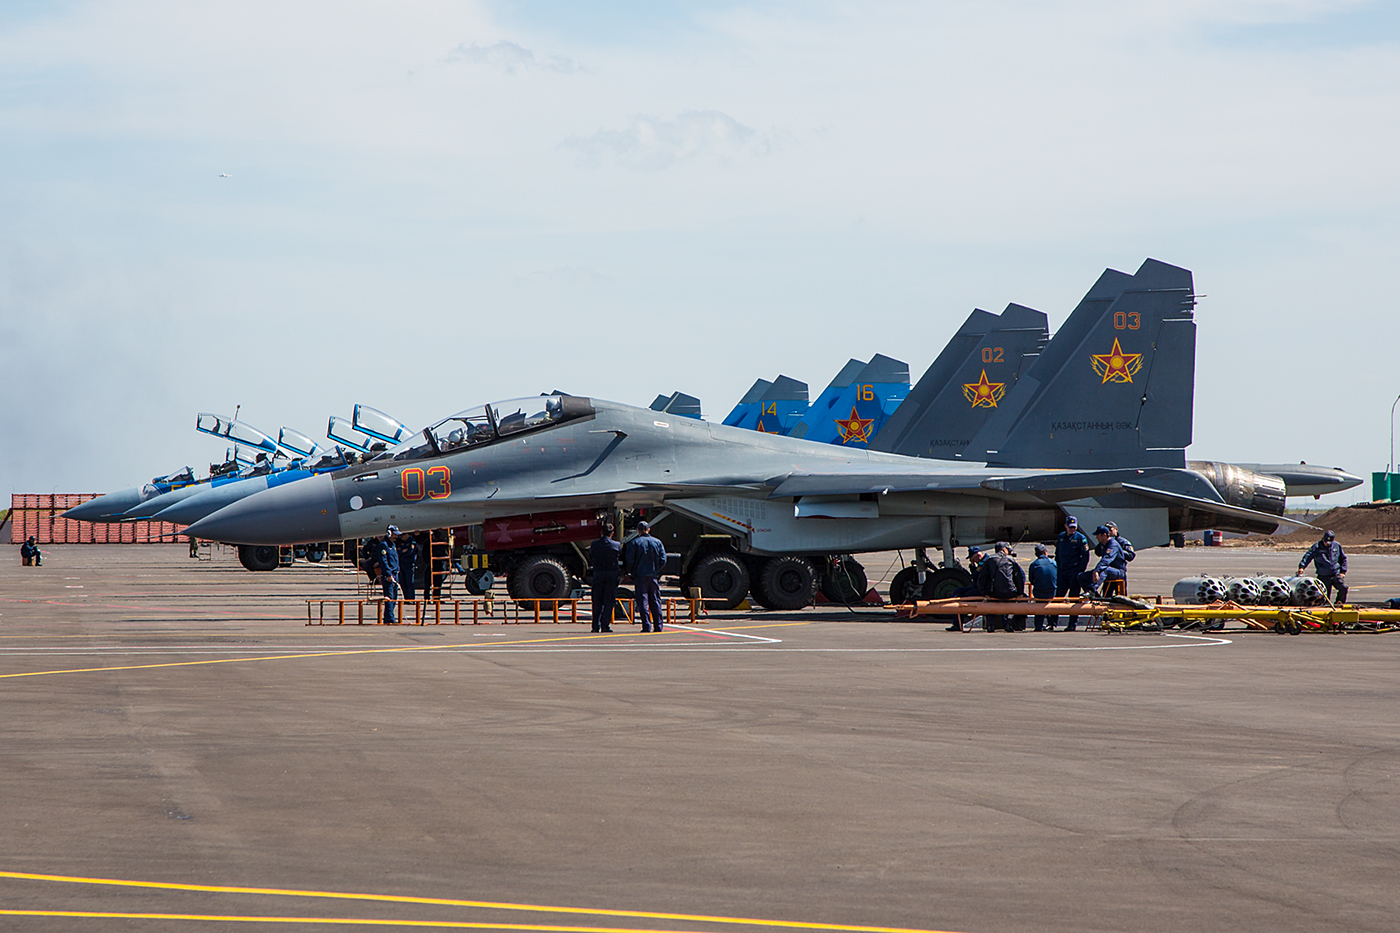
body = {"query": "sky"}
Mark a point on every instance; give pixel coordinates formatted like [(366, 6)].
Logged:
[(430, 205)]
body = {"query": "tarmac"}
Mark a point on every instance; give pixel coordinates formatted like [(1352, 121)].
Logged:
[(180, 751)]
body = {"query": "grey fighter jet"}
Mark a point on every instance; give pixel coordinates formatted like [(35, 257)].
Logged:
[(782, 501)]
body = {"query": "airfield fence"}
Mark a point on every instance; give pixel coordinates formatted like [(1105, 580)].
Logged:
[(483, 610)]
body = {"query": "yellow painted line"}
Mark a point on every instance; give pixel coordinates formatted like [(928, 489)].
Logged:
[(323, 654), (338, 921), (451, 902)]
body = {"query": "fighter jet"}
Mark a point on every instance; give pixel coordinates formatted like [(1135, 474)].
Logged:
[(781, 500)]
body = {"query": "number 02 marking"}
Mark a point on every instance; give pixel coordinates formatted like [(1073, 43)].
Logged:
[(993, 355), (1126, 320), (444, 475)]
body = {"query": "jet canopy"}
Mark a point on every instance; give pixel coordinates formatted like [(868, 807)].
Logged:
[(487, 424)]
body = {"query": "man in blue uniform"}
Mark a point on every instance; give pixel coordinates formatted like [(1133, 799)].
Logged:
[(1125, 546), (1112, 564), (30, 553), (604, 555), (1071, 560), (407, 547), (645, 558), (1044, 578), (1331, 563), (384, 557)]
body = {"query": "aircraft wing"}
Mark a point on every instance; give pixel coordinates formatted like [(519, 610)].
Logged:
[(1218, 508)]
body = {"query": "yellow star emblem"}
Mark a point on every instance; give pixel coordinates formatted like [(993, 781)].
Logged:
[(855, 428), (984, 394), (1115, 365)]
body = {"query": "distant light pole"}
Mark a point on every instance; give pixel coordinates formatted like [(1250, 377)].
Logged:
[(1390, 467)]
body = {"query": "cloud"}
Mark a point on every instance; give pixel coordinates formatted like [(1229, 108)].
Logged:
[(652, 144), (510, 58)]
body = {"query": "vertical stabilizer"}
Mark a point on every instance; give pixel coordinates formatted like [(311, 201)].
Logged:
[(859, 409), (1114, 387), (782, 406), (745, 414), (966, 385), (822, 407)]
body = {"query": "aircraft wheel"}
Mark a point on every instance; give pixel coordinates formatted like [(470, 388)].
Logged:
[(315, 553), (787, 583), (844, 582), (540, 577), (938, 584), (721, 576), (479, 582), (259, 556)]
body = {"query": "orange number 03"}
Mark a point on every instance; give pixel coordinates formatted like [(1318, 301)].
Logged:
[(444, 476), (1126, 320), (413, 483)]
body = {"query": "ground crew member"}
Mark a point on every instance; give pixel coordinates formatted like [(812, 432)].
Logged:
[(384, 558), (29, 553), (194, 547), (974, 565), (1328, 558), (1071, 560), (1000, 577), (407, 546), (1129, 554), (1112, 564), (1044, 581), (604, 555), (645, 558)]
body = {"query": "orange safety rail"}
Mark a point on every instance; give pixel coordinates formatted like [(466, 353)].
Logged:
[(477, 611)]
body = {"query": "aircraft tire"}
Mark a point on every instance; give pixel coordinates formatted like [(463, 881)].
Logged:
[(786, 583), (315, 553), (938, 584), (540, 577), (258, 557), (846, 583), (479, 582), (721, 576)]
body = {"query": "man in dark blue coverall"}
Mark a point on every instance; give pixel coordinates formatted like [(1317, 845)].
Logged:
[(1044, 578), (385, 559), (645, 558), (407, 546), (1071, 560), (1112, 565), (1331, 563), (604, 555), (974, 562)]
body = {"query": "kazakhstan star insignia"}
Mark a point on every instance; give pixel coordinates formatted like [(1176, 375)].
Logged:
[(854, 429), (984, 394), (1115, 365)]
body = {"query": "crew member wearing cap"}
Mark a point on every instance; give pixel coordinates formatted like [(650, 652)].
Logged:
[(30, 554), (645, 557), (407, 546), (1071, 560), (1112, 564), (974, 561), (384, 558), (604, 555), (1330, 561), (1124, 545), (1000, 577), (1044, 579)]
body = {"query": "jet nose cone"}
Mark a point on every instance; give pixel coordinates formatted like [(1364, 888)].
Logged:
[(106, 508), (297, 513)]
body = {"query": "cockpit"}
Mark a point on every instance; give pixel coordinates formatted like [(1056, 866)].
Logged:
[(488, 424)]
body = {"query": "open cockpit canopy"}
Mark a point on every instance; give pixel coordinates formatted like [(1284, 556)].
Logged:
[(487, 424)]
